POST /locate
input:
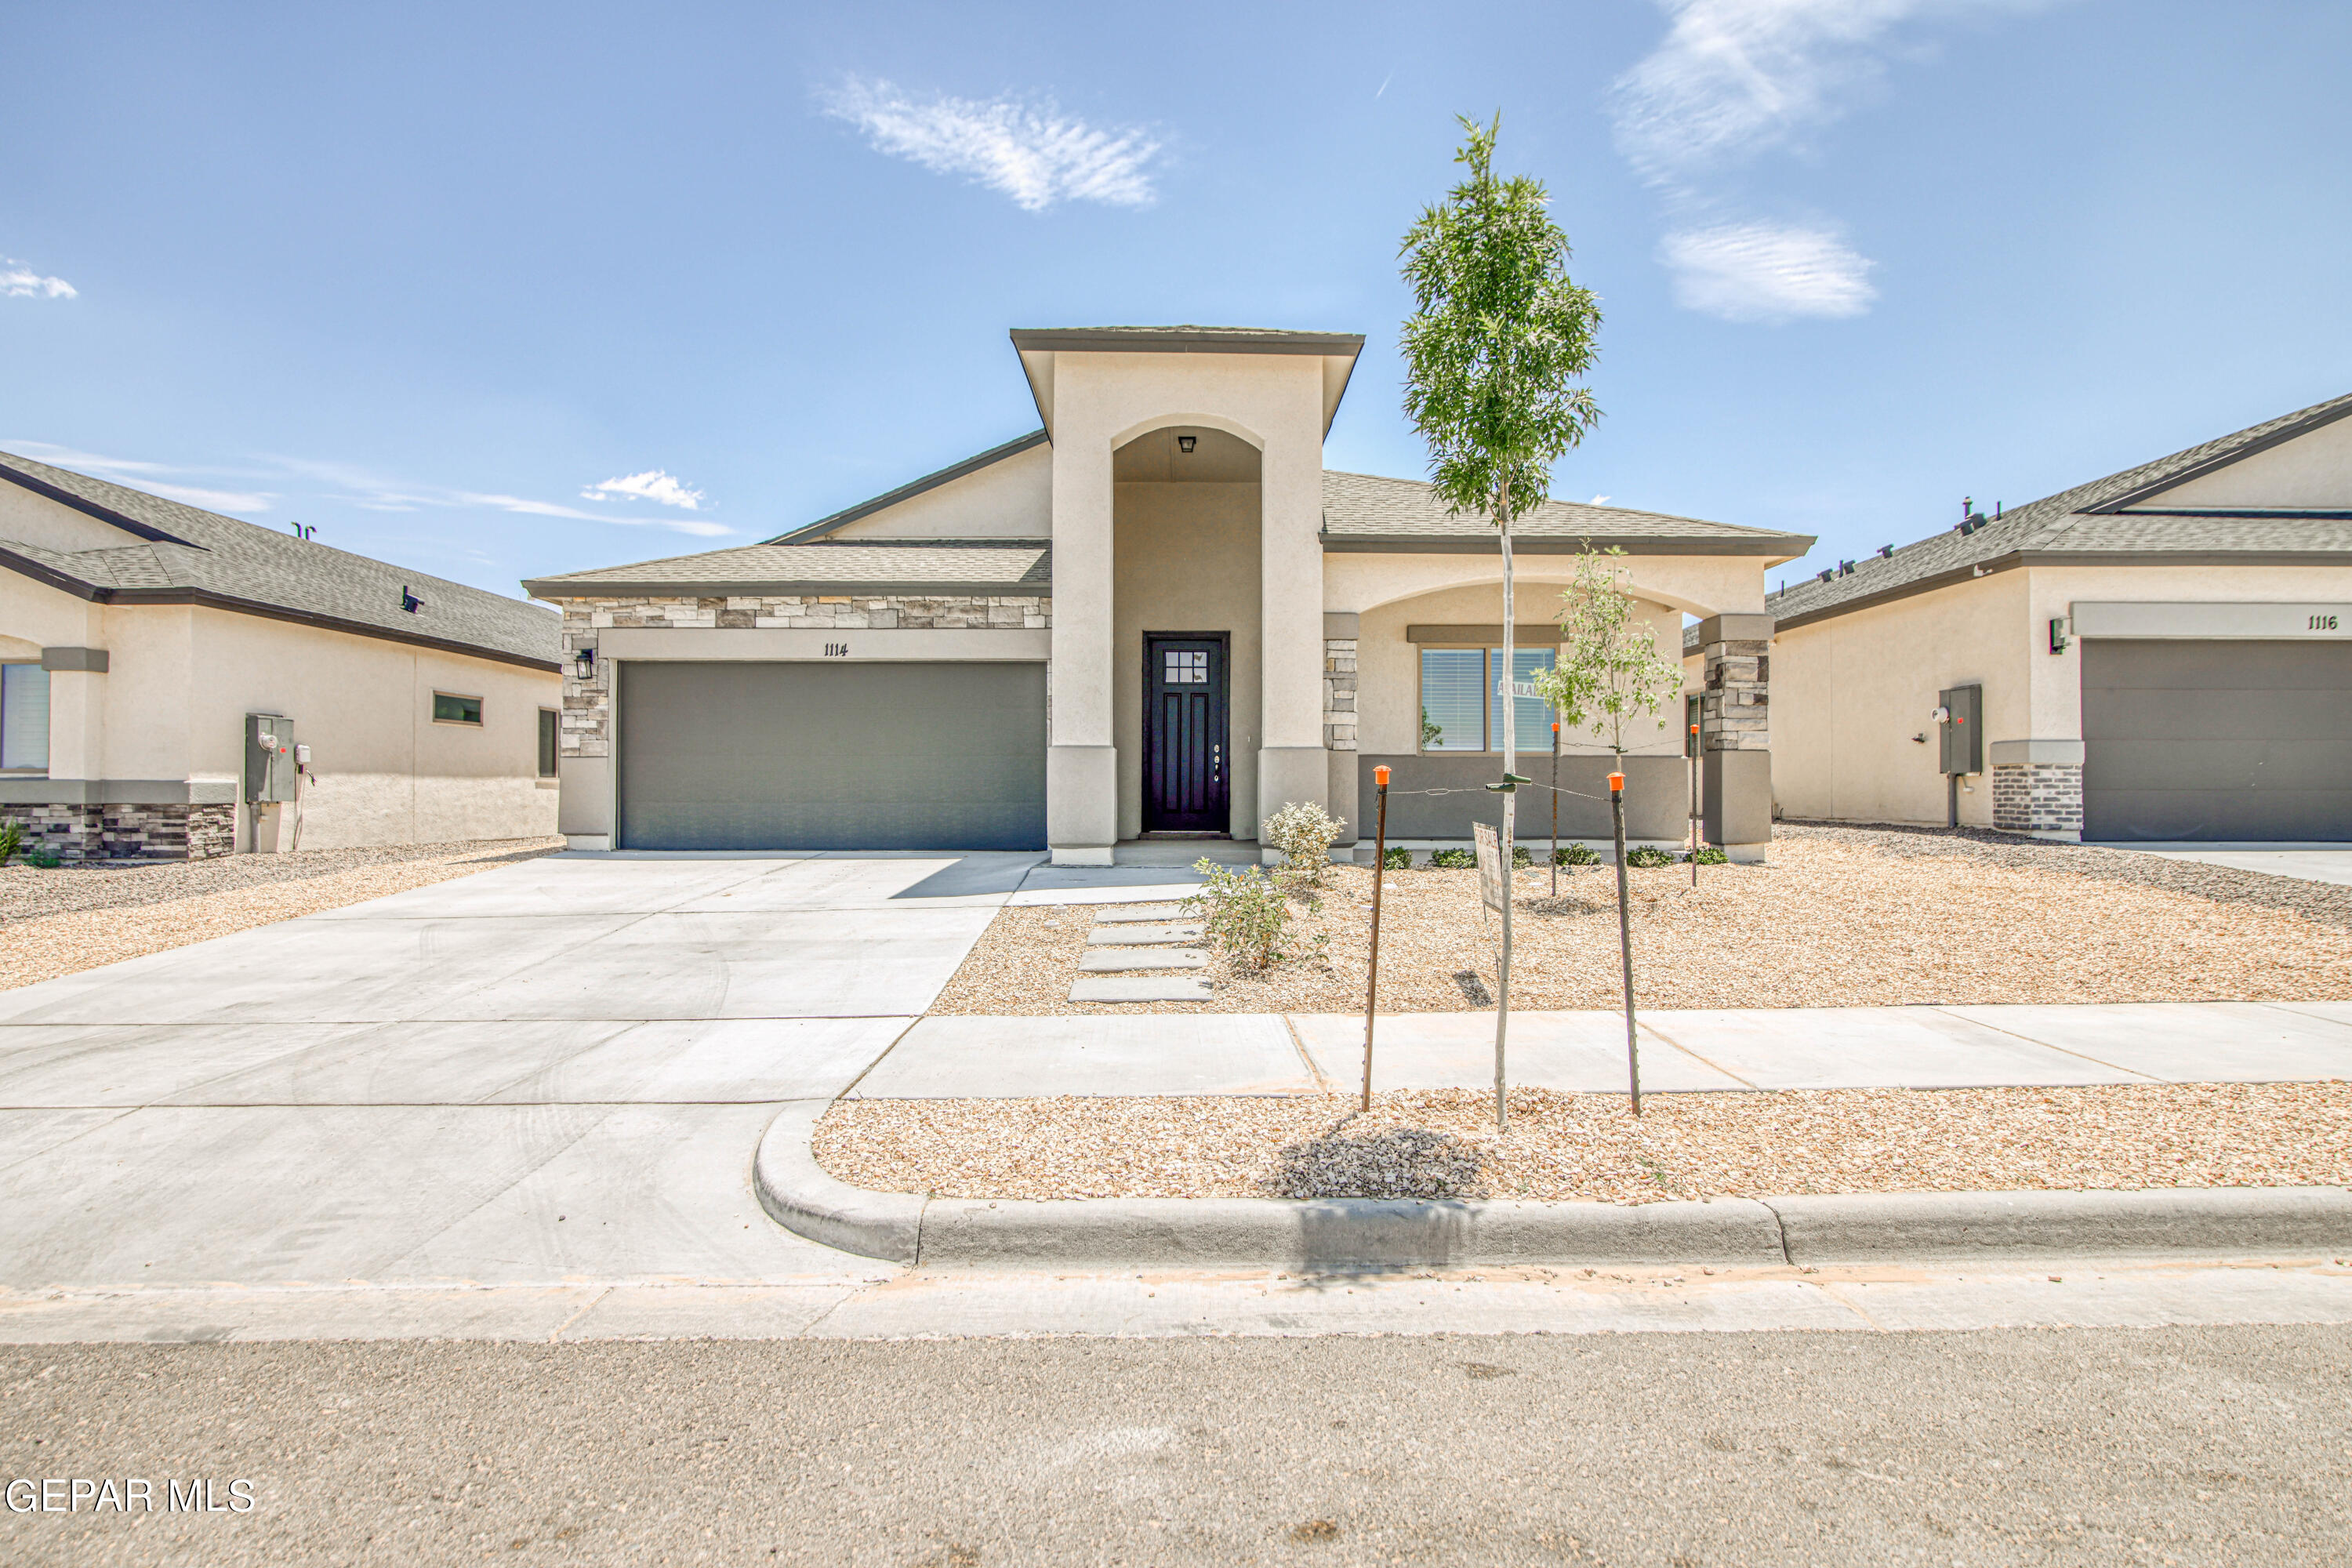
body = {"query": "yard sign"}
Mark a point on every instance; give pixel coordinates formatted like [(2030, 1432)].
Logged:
[(1491, 882)]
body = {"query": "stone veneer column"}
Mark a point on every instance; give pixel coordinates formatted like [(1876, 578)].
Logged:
[(1735, 725), (1339, 740), (2037, 788)]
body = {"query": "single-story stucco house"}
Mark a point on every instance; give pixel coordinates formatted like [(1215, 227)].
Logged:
[(159, 665), (1157, 616), (2163, 654)]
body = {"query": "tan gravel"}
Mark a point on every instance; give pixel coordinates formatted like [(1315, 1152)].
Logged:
[(1438, 1143), (1838, 918), (67, 920)]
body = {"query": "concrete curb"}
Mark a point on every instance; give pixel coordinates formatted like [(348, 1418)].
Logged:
[(1373, 1233)]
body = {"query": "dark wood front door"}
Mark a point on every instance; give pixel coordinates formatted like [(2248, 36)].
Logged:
[(1187, 765)]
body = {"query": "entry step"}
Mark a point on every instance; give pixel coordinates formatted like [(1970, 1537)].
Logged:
[(1154, 934), (1139, 988), (1122, 914), (1119, 960)]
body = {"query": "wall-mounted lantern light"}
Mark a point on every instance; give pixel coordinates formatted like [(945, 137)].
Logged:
[(2058, 638), (1185, 444), (584, 661)]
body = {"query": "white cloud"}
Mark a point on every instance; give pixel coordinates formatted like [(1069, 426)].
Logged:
[(1766, 272), (1026, 148), (18, 281), (141, 476), (1598, 500), (1735, 77), (651, 485)]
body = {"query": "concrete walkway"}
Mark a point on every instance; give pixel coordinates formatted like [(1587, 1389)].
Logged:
[(1809, 1047)]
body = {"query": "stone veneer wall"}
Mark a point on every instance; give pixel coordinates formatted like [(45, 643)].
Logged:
[(587, 722), (127, 831), (2037, 797), (1734, 710), (1339, 693)]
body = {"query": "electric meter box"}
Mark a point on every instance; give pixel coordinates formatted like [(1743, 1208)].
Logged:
[(268, 757), (1963, 732)]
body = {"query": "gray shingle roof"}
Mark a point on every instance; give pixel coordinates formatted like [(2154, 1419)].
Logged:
[(173, 554), (975, 566), (1365, 510), (2084, 521)]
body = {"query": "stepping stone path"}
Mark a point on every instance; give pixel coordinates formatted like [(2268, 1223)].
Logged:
[(1141, 952)]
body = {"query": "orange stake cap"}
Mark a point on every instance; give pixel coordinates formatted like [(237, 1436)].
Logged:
[(1380, 777), (1616, 781)]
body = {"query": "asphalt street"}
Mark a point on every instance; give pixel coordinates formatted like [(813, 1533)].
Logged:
[(2141, 1445)]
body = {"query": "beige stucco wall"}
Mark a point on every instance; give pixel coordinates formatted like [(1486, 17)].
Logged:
[(1848, 694), (2312, 471), (1389, 668), (1699, 585), (1185, 559), (180, 679), (37, 520), (1012, 498), (384, 770)]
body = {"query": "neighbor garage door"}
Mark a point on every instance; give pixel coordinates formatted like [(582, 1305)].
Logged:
[(2218, 740), (832, 756)]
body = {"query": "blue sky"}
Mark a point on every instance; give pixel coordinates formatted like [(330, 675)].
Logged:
[(494, 291)]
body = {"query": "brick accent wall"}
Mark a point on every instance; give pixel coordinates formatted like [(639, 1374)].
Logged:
[(587, 721), (127, 831), (1339, 693), (2037, 797), (1735, 712)]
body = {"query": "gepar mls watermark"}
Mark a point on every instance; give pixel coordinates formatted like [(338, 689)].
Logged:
[(130, 1494)]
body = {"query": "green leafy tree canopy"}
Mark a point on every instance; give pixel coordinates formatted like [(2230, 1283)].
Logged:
[(1610, 671), (1496, 338)]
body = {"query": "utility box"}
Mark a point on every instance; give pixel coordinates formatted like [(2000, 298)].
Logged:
[(268, 757), (1963, 728)]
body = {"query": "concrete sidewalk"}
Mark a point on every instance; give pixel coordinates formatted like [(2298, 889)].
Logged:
[(1682, 1050)]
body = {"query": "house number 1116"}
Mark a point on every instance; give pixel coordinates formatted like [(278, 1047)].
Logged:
[(2322, 623)]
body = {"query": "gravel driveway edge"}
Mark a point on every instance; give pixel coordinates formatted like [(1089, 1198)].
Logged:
[(1332, 1234)]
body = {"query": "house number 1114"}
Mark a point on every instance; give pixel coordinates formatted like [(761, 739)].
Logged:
[(836, 650)]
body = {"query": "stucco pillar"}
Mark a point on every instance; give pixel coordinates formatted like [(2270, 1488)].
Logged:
[(1292, 762), (1735, 758), (77, 712), (1082, 760)]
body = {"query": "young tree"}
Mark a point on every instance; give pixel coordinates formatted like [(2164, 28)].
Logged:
[(1611, 674), (1499, 336)]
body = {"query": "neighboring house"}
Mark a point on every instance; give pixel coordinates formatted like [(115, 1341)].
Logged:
[(138, 638), (2162, 653), (1157, 615)]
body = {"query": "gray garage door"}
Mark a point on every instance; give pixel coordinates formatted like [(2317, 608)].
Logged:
[(839, 756), (2217, 740)]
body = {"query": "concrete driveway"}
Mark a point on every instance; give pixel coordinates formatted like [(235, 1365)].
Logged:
[(551, 1072), (2306, 862)]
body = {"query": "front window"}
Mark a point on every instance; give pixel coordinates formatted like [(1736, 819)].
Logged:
[(23, 719), (1462, 700), (550, 739)]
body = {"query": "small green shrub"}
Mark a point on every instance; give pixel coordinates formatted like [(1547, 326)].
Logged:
[(1245, 913), (1520, 859), (1455, 859), (1575, 855), (11, 840), (1305, 833), (1398, 860), (1708, 855), (1648, 857)]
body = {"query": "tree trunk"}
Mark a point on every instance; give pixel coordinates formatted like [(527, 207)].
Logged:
[(1510, 818), (1625, 943)]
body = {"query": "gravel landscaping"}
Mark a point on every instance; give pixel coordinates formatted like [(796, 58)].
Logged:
[(72, 918), (1840, 917), (1443, 1143)]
